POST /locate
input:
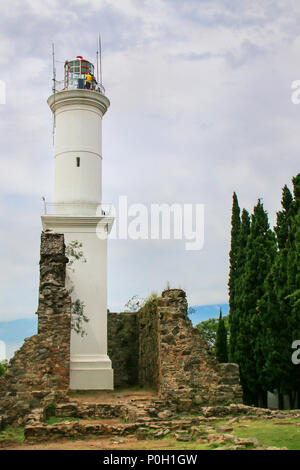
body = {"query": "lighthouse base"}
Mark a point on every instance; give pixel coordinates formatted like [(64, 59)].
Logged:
[(91, 373), (90, 366)]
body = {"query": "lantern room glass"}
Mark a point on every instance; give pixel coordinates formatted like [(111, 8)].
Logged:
[(76, 69)]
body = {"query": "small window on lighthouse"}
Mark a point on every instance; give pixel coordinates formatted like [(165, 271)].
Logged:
[(77, 161)]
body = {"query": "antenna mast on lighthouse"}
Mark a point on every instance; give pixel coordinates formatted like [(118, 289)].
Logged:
[(53, 70), (53, 88), (100, 60), (97, 63)]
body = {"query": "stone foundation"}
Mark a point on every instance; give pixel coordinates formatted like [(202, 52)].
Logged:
[(152, 427), (39, 371)]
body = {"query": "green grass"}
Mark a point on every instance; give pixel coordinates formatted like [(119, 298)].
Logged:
[(12, 434), (269, 433), (167, 443)]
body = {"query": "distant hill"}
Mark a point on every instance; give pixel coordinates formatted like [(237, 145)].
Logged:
[(14, 332), (204, 312)]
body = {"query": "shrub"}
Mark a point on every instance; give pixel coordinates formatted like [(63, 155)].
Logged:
[(3, 367)]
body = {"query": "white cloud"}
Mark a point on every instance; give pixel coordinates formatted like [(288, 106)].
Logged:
[(11, 348), (200, 107)]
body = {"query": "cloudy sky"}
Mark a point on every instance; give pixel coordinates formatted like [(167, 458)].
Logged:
[(201, 106)]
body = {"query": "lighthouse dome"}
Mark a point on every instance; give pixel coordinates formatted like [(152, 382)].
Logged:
[(75, 71)]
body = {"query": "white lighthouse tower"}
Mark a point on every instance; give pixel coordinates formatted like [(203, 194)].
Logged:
[(78, 213)]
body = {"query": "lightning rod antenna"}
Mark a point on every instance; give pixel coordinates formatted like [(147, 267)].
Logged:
[(97, 62), (53, 70), (53, 89), (100, 60)]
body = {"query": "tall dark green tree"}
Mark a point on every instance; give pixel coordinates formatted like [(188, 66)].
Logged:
[(265, 287), (293, 260), (274, 307), (293, 281), (279, 309), (294, 273), (221, 340), (233, 274), (237, 331), (259, 256)]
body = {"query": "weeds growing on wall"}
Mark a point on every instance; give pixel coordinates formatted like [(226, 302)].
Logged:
[(78, 318), (3, 367)]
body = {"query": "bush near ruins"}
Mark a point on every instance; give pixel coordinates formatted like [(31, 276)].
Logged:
[(208, 330), (3, 367)]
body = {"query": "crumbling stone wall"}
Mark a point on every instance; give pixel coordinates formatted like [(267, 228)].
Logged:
[(39, 370), (123, 344), (175, 358), (148, 360)]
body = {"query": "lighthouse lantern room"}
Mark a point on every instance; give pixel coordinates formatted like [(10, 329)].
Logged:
[(75, 72)]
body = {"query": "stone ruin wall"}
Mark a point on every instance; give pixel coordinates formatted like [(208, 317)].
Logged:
[(172, 357), (39, 370), (156, 348), (188, 373), (148, 324)]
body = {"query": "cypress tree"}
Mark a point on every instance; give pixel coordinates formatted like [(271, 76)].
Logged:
[(233, 274), (279, 308), (274, 308), (237, 332), (293, 283), (221, 340), (264, 287), (260, 251), (293, 245)]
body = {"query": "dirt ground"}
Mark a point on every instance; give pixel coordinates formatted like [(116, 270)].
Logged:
[(122, 396), (113, 397), (105, 443), (111, 421)]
